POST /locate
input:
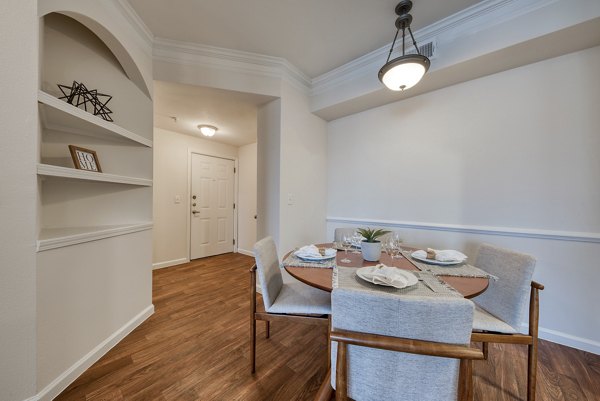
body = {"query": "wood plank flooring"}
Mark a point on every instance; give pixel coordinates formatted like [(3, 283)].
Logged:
[(195, 347)]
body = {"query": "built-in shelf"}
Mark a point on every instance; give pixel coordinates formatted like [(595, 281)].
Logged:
[(51, 238), (59, 115), (71, 173)]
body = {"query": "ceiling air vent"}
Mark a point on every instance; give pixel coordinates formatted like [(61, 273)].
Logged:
[(427, 49)]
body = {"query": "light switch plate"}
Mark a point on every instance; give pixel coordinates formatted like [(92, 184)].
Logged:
[(177, 199), (290, 199)]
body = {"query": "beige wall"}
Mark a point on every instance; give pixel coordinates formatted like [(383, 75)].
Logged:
[(483, 161), (18, 183), (171, 154), (247, 169)]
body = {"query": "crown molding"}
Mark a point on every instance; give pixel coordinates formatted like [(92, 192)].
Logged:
[(136, 22), (175, 51), (482, 14)]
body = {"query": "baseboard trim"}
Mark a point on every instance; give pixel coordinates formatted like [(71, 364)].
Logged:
[(468, 229), (67, 377), (245, 252), (169, 263), (569, 340)]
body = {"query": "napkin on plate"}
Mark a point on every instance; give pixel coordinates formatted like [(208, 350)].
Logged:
[(312, 251), (444, 255), (388, 275)]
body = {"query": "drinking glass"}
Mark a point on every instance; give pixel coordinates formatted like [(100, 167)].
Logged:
[(356, 238), (346, 244)]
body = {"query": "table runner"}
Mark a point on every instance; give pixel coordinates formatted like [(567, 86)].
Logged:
[(460, 270), (294, 261), (345, 277)]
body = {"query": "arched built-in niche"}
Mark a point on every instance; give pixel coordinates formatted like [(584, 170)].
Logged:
[(94, 240)]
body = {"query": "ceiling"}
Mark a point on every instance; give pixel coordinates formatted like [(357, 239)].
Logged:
[(234, 113), (314, 35)]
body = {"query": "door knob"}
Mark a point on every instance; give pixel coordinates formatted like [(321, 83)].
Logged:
[(195, 212)]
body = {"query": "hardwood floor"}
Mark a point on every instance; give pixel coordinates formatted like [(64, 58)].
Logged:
[(196, 347)]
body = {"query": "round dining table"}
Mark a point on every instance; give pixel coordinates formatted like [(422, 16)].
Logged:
[(321, 278)]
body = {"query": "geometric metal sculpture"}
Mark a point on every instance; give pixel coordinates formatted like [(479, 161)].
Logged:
[(78, 95)]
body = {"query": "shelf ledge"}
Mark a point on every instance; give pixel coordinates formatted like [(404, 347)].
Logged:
[(52, 238), (62, 116), (66, 172)]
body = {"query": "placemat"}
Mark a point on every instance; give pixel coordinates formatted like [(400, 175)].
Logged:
[(460, 270), (294, 261), (428, 285)]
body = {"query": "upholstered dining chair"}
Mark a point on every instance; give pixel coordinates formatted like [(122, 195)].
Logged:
[(500, 309), (387, 347), (292, 301), (340, 232)]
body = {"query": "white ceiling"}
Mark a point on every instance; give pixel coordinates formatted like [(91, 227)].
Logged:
[(314, 35), (234, 113)]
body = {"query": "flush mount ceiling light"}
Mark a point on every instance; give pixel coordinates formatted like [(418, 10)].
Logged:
[(207, 130), (405, 71)]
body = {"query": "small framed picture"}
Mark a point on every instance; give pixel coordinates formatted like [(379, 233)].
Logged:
[(85, 159)]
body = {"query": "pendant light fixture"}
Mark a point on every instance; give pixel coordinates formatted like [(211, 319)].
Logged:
[(405, 71)]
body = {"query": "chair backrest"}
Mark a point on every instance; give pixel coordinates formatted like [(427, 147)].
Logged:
[(507, 297), (269, 273), (339, 233), (380, 375)]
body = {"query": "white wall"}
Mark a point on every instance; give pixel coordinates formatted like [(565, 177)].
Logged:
[(268, 169), (505, 156), (18, 186), (303, 169), (247, 169), (171, 152)]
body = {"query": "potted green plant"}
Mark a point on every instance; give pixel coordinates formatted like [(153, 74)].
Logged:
[(371, 246)]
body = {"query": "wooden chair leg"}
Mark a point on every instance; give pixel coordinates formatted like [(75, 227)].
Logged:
[(341, 374), (532, 350), (465, 380), (253, 319), (531, 370), (267, 329), (329, 343), (253, 346), (325, 392)]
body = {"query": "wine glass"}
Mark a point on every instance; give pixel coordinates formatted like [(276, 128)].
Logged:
[(395, 237), (356, 238), (346, 244)]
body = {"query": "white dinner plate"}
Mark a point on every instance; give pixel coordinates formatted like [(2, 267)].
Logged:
[(319, 258), (436, 262), (366, 273)]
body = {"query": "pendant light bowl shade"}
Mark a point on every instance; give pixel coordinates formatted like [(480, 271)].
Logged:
[(404, 72)]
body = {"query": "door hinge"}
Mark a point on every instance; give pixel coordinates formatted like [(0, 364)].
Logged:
[(234, 205), (234, 170), (234, 241)]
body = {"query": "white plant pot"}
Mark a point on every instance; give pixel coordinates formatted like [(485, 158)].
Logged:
[(371, 251)]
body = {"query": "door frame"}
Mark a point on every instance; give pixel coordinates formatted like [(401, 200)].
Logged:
[(189, 196)]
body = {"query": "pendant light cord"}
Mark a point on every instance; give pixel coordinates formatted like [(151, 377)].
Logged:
[(393, 43), (414, 41)]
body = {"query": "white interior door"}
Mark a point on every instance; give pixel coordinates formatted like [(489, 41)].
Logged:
[(211, 214)]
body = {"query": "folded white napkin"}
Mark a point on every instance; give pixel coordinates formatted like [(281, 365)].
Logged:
[(389, 275), (444, 255), (312, 251)]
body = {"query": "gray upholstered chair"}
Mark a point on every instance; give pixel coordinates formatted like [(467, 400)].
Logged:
[(339, 233), (387, 347), (500, 309), (292, 301)]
